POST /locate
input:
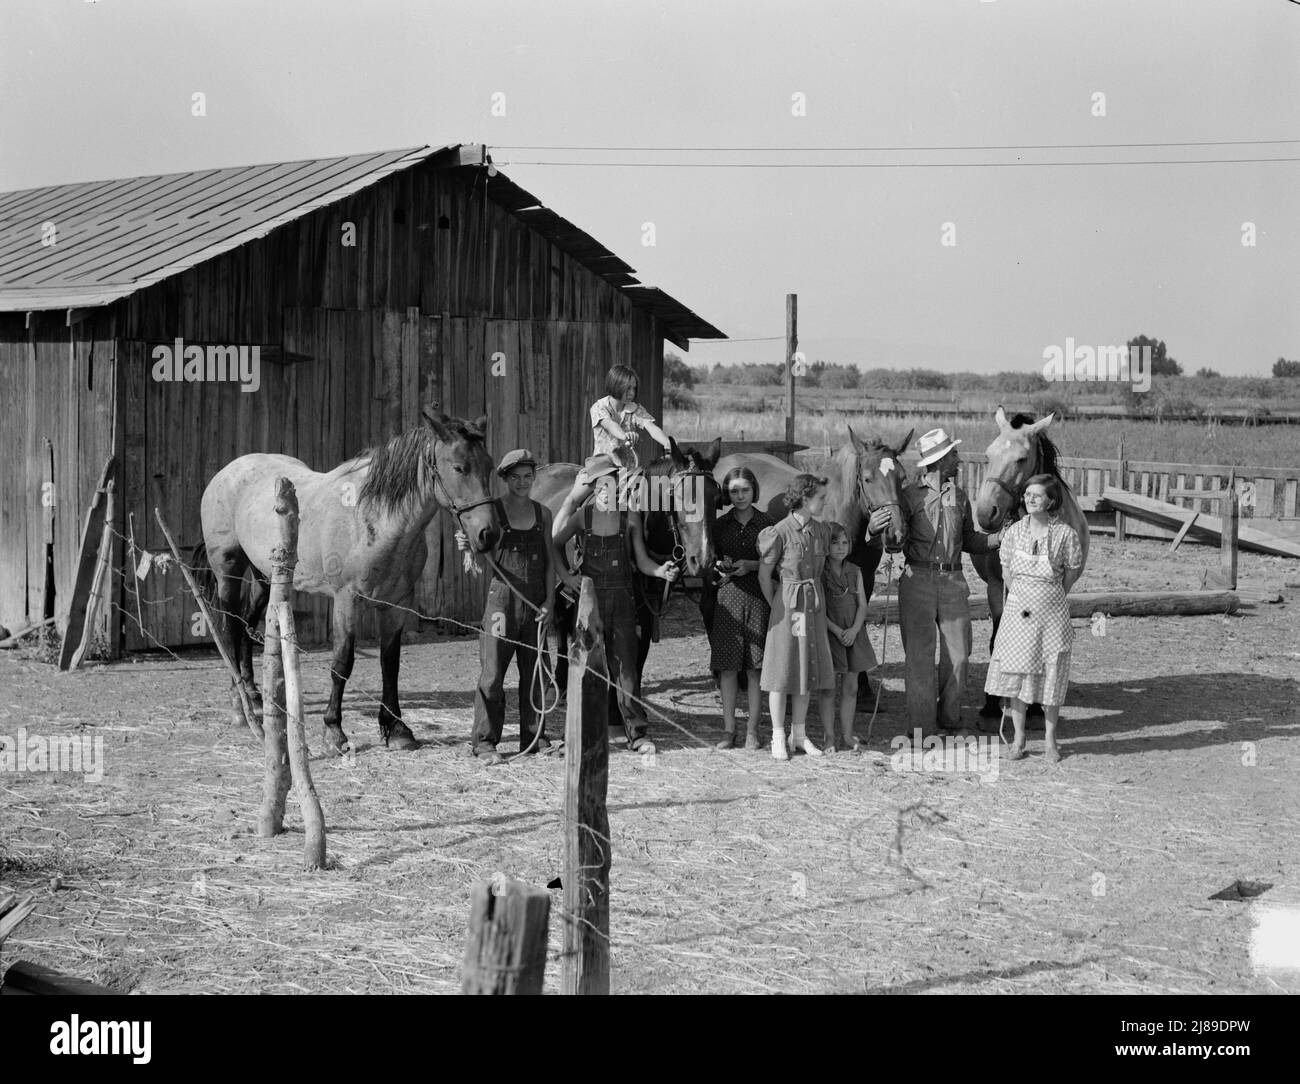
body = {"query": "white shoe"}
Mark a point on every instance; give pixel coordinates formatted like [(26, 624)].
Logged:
[(779, 751), (810, 748)]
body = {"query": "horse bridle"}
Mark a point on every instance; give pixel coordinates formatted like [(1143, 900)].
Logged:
[(1016, 495), (457, 510), (678, 555), (864, 501)]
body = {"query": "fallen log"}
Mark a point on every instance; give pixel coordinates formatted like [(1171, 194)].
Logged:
[(1115, 603)]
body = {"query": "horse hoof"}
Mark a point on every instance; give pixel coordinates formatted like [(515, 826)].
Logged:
[(336, 740), (401, 739)]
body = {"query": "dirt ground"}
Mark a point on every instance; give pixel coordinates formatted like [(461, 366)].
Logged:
[(731, 872)]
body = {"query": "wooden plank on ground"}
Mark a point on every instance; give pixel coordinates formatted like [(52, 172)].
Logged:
[(1169, 515)]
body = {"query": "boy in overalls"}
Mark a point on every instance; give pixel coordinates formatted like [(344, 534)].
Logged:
[(611, 539), (524, 555)]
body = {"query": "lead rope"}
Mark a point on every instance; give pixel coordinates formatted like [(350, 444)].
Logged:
[(884, 647), (541, 674)]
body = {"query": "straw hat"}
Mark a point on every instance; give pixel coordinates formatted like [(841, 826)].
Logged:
[(934, 445)]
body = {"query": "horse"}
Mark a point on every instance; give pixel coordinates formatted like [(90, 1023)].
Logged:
[(360, 537), (864, 476), (682, 531), (1021, 449)]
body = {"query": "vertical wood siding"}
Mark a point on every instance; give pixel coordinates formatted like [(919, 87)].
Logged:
[(440, 279)]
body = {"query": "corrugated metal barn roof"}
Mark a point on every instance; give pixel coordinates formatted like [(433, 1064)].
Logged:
[(114, 238)]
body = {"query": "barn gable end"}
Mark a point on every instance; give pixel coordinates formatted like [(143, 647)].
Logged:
[(435, 282)]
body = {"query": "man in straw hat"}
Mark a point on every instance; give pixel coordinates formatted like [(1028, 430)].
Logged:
[(932, 593)]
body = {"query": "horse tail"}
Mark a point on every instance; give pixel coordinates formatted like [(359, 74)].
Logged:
[(204, 578)]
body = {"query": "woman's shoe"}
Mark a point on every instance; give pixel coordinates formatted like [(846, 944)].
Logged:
[(779, 751), (810, 748), (751, 741), (728, 740)]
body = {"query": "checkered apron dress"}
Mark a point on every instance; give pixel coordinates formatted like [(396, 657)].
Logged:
[(1031, 655)]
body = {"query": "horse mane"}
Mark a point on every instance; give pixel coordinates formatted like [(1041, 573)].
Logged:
[(664, 464), (400, 470), (1047, 450)]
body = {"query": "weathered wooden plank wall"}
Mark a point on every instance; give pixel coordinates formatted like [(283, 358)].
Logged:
[(15, 494), (440, 278)]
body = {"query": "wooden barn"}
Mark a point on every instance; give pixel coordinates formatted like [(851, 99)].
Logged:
[(371, 285)]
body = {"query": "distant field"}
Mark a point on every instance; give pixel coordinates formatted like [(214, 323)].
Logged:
[(755, 414)]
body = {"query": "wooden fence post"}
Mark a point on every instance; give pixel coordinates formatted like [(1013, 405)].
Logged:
[(1121, 482), (1231, 521), (586, 821), (791, 347), (506, 950), (285, 749)]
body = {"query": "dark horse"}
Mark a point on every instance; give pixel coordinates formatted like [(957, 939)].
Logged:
[(1021, 449), (360, 538), (683, 503)]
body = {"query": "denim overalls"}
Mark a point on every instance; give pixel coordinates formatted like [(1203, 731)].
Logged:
[(606, 559), (521, 556)]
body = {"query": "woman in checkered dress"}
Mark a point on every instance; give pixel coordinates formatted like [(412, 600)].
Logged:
[(1041, 560)]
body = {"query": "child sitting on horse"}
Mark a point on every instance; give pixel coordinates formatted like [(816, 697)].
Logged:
[(846, 616), (615, 420), (611, 540)]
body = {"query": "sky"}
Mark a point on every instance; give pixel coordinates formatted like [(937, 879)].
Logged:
[(1042, 254)]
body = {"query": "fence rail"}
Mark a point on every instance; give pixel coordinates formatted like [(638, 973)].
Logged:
[(1268, 496), (1264, 492)]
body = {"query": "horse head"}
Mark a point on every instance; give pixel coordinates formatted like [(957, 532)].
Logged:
[(462, 476), (691, 501), (1016, 455), (878, 480)]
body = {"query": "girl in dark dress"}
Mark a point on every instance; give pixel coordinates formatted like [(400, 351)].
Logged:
[(739, 627)]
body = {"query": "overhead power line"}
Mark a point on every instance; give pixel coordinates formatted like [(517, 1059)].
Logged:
[(865, 149), (898, 165)]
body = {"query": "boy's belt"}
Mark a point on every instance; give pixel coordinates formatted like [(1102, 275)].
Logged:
[(938, 566)]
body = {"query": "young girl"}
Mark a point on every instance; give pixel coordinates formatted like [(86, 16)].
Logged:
[(846, 613), (615, 420), (797, 653)]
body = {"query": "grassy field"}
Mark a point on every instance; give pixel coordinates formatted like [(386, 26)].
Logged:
[(756, 413)]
